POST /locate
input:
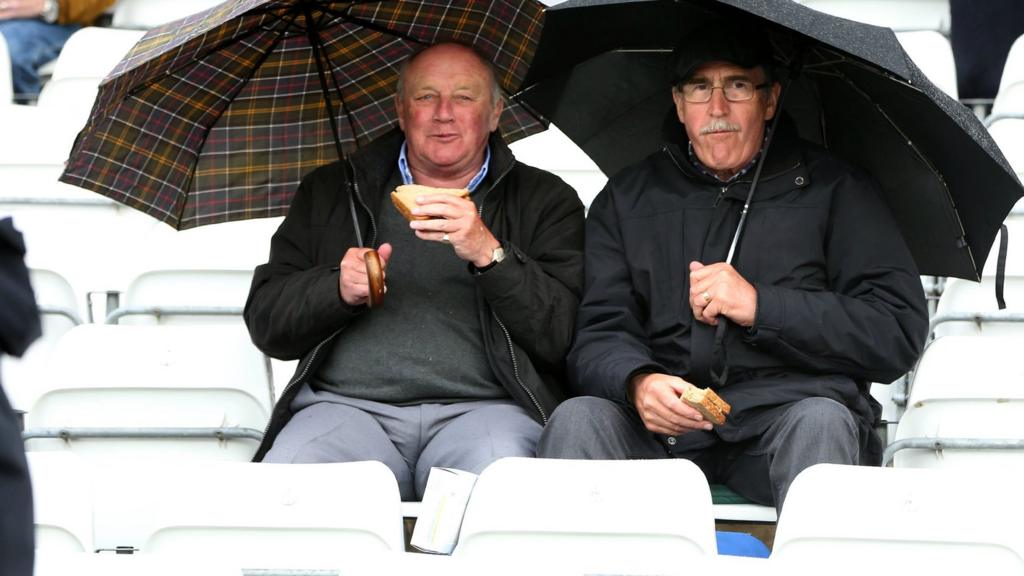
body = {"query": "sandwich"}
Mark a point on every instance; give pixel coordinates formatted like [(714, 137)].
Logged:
[(404, 197), (709, 404)]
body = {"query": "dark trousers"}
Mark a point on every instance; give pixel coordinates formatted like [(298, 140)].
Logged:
[(811, 431)]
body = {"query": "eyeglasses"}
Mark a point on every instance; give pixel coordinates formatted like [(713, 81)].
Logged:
[(734, 91)]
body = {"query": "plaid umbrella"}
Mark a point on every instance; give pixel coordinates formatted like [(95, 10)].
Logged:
[(218, 116)]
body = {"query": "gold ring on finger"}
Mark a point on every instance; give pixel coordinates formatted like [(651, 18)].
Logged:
[(706, 296)]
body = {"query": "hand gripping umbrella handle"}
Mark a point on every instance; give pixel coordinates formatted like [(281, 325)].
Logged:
[(375, 274)]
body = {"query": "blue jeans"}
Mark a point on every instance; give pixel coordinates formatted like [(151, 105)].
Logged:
[(32, 43)]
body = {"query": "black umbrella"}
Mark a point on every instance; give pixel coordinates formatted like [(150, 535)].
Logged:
[(601, 75)]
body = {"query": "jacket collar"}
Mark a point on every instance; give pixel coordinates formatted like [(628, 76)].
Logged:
[(784, 165), (375, 162)]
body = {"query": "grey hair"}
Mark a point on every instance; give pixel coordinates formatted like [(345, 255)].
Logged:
[(496, 93)]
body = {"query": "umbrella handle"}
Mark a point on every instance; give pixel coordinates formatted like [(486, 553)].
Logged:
[(375, 274)]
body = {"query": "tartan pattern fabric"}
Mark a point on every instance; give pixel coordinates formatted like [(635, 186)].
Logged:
[(218, 116)]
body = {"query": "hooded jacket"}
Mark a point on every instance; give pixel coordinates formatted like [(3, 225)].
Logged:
[(526, 303), (839, 299)]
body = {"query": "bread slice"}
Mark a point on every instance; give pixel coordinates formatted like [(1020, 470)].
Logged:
[(709, 404), (404, 197)]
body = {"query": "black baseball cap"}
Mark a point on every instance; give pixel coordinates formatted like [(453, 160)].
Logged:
[(738, 42)]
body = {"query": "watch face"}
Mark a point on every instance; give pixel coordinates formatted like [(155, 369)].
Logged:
[(498, 254)]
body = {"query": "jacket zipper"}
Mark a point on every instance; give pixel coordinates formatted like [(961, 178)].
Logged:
[(504, 330), (721, 194), (515, 369), (362, 204), (301, 375)]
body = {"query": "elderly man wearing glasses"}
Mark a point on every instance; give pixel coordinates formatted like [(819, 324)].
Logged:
[(821, 299)]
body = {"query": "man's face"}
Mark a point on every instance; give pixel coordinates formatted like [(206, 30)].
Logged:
[(445, 111), (726, 135)]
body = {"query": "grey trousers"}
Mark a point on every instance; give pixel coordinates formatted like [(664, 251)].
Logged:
[(410, 440), (811, 431)]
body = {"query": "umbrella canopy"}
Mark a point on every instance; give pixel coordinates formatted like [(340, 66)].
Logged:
[(218, 116), (601, 74)]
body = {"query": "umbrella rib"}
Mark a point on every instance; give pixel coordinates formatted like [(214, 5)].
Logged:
[(212, 49), (917, 151), (372, 25)]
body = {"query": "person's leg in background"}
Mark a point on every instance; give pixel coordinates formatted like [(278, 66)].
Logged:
[(31, 44)]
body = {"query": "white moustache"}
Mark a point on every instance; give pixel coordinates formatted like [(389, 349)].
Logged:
[(719, 125)]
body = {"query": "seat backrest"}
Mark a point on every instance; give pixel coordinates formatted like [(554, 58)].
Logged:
[(72, 98), (933, 54), (93, 52), (865, 519), (34, 136), (1009, 135), (967, 297), (59, 312), (900, 15), (965, 388), (186, 296), (144, 377), (1013, 68), (262, 515), (640, 516), (146, 14), (553, 151), (62, 500), (6, 81)]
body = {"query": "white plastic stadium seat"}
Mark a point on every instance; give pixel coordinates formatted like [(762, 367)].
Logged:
[(59, 312), (62, 500), (553, 151), (868, 520), (900, 15), (933, 54), (1013, 68), (93, 52), (275, 516), (966, 396), (968, 307), (71, 98), (1008, 132), (637, 517), (153, 392), (145, 14), (6, 81), (184, 297)]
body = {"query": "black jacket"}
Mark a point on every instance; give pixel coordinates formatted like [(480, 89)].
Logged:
[(527, 303), (19, 327), (840, 302)]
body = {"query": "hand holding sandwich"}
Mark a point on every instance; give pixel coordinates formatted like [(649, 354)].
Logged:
[(656, 397), (353, 282), (454, 220)]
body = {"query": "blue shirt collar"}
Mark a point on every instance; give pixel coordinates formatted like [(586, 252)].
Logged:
[(403, 168)]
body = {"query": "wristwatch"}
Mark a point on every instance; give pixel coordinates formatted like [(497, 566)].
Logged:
[(497, 255), (51, 11)]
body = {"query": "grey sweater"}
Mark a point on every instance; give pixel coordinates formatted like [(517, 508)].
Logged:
[(423, 344)]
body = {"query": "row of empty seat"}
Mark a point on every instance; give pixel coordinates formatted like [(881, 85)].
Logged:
[(525, 516)]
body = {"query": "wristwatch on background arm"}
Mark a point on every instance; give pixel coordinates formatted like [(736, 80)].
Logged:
[(51, 11), (497, 255)]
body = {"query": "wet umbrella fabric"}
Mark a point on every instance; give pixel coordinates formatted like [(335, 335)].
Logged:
[(601, 75), (218, 116)]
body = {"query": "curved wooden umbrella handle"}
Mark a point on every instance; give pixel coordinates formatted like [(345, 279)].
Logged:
[(375, 273)]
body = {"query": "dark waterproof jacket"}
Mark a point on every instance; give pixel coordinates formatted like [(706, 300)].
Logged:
[(839, 302), (527, 303)]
